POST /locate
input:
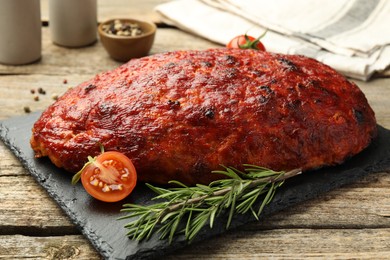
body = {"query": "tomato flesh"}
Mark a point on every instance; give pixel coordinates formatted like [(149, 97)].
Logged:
[(245, 42), (110, 177)]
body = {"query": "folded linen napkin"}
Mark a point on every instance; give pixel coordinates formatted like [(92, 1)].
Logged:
[(349, 35)]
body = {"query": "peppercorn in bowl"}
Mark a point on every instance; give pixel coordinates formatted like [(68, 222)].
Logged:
[(125, 39)]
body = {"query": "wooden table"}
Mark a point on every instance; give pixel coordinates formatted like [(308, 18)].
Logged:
[(350, 222)]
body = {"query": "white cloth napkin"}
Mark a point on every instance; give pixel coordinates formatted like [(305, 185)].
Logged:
[(352, 36)]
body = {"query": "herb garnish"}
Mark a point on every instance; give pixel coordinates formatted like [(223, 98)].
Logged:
[(186, 210)]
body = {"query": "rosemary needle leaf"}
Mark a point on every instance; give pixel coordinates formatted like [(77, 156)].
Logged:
[(186, 210), (205, 188), (164, 230), (236, 170), (261, 174), (229, 199), (178, 183), (156, 190), (213, 200), (138, 231), (228, 172), (199, 223), (253, 192), (169, 215), (213, 213), (232, 209), (266, 200), (256, 168), (145, 230), (254, 214), (249, 201), (175, 224), (188, 225)]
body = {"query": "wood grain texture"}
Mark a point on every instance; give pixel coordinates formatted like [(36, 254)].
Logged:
[(57, 60), (293, 244), (348, 223), (30, 210), (54, 247), (275, 244), (109, 9)]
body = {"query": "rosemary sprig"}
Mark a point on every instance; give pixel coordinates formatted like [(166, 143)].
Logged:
[(186, 210)]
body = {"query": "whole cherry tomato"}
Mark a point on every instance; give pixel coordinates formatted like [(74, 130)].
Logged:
[(246, 42), (109, 177)]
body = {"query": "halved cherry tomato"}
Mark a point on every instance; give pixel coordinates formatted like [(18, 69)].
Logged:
[(246, 42), (109, 177)]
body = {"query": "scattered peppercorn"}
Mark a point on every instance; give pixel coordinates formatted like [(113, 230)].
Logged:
[(41, 91), (120, 28), (65, 81), (27, 109)]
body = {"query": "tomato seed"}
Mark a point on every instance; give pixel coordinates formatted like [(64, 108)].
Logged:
[(106, 188), (94, 182), (116, 186), (107, 163)]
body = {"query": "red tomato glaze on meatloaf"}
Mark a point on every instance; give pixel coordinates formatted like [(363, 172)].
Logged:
[(182, 114)]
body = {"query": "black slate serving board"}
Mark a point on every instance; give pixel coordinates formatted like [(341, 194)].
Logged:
[(98, 220)]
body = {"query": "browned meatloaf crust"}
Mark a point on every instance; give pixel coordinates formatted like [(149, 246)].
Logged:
[(181, 114)]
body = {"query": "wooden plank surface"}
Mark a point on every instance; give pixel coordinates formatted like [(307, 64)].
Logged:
[(275, 244), (350, 222), (109, 9), (54, 247), (93, 59)]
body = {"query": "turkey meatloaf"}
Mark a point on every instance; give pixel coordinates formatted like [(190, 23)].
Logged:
[(182, 114)]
